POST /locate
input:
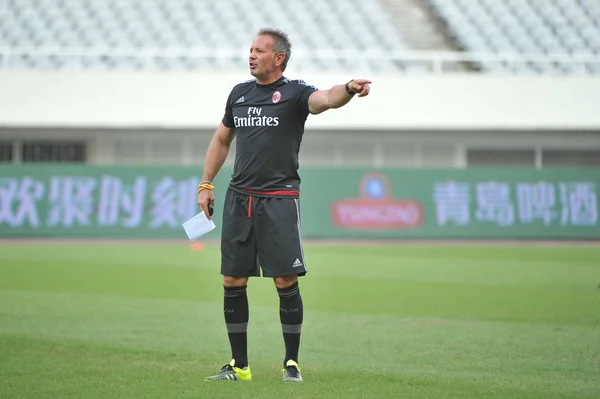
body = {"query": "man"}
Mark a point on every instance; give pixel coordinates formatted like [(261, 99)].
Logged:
[(261, 216)]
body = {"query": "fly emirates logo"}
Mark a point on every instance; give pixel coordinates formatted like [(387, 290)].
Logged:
[(254, 118)]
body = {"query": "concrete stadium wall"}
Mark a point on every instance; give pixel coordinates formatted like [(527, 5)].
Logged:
[(196, 100)]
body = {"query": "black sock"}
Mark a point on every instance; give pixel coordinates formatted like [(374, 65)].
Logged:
[(235, 307), (291, 314)]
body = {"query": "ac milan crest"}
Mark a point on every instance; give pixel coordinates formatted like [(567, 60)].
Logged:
[(276, 96)]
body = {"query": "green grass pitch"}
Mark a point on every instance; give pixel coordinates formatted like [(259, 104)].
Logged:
[(410, 321)]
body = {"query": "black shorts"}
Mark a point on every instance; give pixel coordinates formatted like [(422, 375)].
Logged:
[(261, 233)]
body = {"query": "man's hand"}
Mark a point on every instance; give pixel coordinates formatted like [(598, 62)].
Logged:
[(360, 86), (206, 197), (337, 96)]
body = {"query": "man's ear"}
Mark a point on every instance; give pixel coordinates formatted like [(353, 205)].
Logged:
[(279, 58)]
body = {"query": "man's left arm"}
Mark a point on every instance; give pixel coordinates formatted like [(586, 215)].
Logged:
[(338, 95)]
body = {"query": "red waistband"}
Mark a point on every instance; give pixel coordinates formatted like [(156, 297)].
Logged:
[(291, 193)]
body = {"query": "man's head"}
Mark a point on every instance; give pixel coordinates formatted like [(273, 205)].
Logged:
[(269, 53)]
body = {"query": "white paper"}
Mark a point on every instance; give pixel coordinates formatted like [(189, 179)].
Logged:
[(197, 226)]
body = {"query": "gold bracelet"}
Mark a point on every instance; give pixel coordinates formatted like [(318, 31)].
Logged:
[(205, 186)]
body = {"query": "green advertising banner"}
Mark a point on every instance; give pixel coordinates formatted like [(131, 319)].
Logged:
[(153, 202), (89, 201), (454, 203)]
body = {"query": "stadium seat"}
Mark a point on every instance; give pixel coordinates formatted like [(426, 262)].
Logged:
[(191, 25), (532, 27), (114, 31)]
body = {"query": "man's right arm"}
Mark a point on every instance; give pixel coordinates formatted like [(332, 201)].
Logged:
[(216, 155), (217, 152)]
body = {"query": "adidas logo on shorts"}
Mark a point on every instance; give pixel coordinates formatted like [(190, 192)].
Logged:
[(297, 263)]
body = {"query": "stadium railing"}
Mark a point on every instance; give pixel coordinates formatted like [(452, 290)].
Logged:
[(436, 62)]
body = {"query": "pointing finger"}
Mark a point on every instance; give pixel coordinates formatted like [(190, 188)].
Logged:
[(365, 91)]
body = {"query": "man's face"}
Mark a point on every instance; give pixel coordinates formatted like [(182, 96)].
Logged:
[(263, 60)]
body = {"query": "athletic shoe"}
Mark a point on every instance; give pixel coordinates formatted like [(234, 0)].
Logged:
[(231, 373), (291, 372)]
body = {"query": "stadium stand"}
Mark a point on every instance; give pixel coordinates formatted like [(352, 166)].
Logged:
[(189, 27), (567, 27), (328, 35)]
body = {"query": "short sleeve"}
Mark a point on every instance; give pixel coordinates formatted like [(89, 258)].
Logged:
[(228, 116), (304, 92)]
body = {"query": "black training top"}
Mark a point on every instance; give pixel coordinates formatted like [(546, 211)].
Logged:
[(269, 124)]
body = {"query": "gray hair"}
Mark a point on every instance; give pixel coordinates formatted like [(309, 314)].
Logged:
[(281, 43)]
